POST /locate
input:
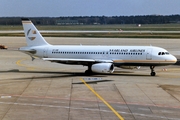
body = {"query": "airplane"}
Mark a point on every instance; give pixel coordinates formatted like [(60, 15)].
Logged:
[(98, 59)]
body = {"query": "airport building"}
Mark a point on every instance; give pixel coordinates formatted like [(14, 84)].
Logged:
[(67, 22)]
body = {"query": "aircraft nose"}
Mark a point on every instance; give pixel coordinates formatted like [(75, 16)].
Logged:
[(173, 59)]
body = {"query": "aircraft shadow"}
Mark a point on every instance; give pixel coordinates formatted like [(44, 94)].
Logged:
[(93, 82), (51, 74)]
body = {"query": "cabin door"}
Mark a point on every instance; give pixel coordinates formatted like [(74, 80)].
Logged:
[(45, 53), (149, 54)]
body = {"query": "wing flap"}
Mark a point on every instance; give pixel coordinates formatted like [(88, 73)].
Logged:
[(68, 60), (75, 60)]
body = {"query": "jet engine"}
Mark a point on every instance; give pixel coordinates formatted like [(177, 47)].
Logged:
[(130, 67), (103, 68)]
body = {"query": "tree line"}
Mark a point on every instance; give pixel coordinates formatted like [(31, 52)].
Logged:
[(90, 20)]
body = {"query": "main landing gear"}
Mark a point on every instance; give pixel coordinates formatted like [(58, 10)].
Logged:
[(153, 73), (89, 71)]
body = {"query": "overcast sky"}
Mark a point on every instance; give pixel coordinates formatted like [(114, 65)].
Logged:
[(56, 8)]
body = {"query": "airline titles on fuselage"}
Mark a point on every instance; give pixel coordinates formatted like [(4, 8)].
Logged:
[(127, 50)]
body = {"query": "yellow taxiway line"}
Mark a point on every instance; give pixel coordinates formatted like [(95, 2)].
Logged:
[(106, 103), (22, 65)]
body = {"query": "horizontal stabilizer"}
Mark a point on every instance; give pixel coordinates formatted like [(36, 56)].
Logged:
[(27, 50)]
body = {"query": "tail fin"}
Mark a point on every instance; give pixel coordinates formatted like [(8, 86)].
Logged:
[(33, 37)]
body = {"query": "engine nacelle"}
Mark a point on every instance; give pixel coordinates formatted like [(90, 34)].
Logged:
[(103, 68), (130, 67)]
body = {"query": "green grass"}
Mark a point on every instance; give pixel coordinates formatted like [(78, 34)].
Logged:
[(129, 27), (103, 35)]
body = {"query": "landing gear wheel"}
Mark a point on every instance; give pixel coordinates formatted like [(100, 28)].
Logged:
[(153, 73), (88, 72)]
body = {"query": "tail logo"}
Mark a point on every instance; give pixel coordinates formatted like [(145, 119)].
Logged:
[(31, 34)]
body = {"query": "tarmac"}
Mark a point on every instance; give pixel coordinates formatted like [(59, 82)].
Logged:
[(41, 90)]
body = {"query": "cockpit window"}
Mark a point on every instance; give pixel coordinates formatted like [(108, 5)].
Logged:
[(163, 53), (166, 53)]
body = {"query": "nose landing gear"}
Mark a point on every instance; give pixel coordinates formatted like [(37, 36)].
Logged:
[(153, 73)]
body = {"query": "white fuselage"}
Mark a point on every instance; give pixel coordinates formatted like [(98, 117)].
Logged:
[(120, 55)]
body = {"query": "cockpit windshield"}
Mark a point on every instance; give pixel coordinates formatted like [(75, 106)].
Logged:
[(163, 53)]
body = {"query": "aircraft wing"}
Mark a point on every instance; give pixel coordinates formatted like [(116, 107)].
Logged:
[(80, 61)]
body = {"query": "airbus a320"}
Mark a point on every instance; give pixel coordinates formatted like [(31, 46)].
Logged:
[(98, 59)]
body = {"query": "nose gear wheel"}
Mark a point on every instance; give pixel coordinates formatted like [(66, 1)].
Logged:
[(153, 73)]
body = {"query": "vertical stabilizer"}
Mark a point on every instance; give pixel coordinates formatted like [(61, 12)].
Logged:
[(33, 36)]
